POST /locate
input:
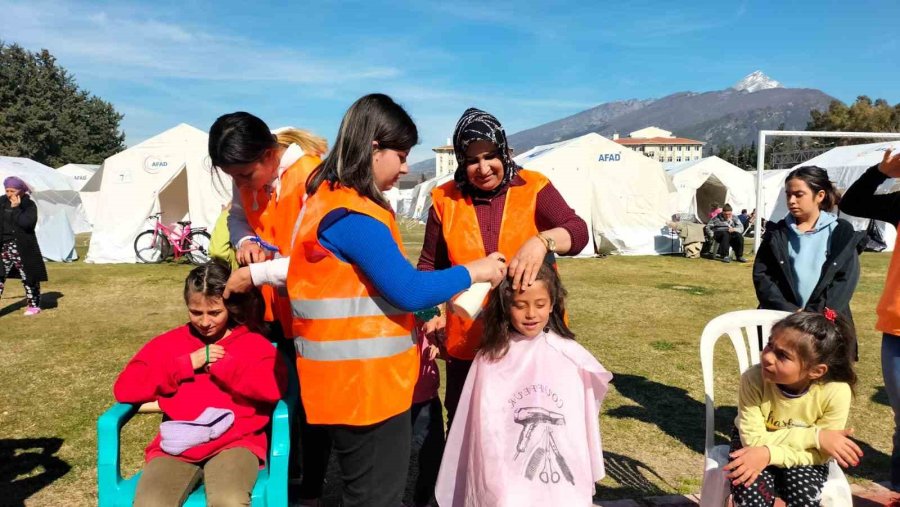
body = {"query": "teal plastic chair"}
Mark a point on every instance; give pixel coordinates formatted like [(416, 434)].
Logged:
[(270, 490)]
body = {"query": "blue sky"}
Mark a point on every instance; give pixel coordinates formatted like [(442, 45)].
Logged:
[(303, 63)]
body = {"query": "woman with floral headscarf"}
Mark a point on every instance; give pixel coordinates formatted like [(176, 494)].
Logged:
[(20, 254), (492, 205)]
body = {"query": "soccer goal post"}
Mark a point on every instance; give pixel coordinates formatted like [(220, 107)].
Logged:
[(761, 157)]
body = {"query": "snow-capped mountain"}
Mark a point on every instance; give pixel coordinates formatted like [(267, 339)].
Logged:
[(755, 82)]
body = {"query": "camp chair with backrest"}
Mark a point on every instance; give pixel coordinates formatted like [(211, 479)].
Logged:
[(744, 328), (271, 488)]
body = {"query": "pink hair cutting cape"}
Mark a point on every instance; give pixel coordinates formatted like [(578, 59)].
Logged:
[(526, 431)]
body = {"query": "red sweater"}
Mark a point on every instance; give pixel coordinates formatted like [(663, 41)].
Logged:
[(248, 380)]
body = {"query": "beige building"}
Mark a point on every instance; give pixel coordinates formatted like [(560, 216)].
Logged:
[(661, 145), (444, 160)]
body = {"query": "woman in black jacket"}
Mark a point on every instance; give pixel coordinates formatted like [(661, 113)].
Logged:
[(810, 259), (19, 250)]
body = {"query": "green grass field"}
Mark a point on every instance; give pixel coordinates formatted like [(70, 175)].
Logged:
[(641, 316)]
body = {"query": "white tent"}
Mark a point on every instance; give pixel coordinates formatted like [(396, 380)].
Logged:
[(711, 180), (845, 164), (60, 215), (90, 194), (78, 174), (624, 196), (774, 207), (400, 200), (169, 172), (420, 200)]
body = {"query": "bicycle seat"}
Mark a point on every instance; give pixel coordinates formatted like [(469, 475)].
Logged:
[(187, 222)]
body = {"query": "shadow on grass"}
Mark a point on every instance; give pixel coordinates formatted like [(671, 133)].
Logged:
[(28, 465), (668, 407), (48, 300), (634, 479), (880, 396)]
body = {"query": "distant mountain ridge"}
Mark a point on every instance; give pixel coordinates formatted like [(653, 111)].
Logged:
[(733, 116)]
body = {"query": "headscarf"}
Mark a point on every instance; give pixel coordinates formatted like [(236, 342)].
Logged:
[(16, 183), (477, 125)]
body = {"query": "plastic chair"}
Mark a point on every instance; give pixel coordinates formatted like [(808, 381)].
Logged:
[(742, 329), (270, 490)]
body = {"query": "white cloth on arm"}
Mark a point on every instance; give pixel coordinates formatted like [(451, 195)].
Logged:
[(273, 272)]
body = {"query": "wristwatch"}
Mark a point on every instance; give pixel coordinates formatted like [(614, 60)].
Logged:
[(549, 242)]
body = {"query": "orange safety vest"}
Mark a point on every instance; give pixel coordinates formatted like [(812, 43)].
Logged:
[(888, 309), (273, 221), (459, 226), (356, 353)]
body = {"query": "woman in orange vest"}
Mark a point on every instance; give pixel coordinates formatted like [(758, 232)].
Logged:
[(269, 172), (492, 205), (354, 293)]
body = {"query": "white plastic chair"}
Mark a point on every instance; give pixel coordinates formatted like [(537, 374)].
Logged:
[(741, 327)]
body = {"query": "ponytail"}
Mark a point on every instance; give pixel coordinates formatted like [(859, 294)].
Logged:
[(311, 143)]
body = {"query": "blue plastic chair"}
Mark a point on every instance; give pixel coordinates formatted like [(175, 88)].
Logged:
[(270, 490)]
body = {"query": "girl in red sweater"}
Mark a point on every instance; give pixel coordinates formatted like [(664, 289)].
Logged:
[(217, 382)]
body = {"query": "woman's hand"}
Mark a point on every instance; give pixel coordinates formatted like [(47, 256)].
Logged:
[(239, 281), (837, 444), (198, 357), (890, 165), (249, 253), (489, 269), (434, 328), (746, 465), (15, 200), (525, 264)]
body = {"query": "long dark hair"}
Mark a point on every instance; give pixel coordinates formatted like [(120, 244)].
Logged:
[(824, 341), (374, 117), (816, 179), (209, 280), (497, 324)]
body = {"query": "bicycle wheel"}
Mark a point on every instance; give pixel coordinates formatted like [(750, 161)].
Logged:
[(151, 248), (198, 247)]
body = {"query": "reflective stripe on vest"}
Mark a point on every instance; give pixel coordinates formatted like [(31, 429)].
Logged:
[(361, 348), (343, 308)]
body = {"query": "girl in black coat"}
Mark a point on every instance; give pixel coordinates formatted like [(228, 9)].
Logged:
[(20, 254), (810, 259)]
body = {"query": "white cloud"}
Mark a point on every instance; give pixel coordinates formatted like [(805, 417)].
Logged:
[(139, 45)]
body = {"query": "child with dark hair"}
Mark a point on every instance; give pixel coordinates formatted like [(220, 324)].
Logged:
[(809, 259), (792, 411), (216, 381), (526, 431)]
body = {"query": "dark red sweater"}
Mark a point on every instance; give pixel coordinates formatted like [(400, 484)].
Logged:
[(248, 380), (551, 211)]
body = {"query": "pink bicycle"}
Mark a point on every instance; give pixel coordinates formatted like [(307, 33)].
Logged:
[(157, 244)]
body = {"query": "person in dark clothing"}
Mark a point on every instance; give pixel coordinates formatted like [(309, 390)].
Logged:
[(744, 218), (727, 230), (860, 200), (19, 250), (810, 259)]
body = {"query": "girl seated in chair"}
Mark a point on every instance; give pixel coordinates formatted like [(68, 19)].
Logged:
[(792, 410), (217, 382)]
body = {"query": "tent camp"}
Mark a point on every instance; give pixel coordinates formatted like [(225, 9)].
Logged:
[(400, 200), (169, 172), (711, 180), (624, 197), (60, 214), (78, 174)]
